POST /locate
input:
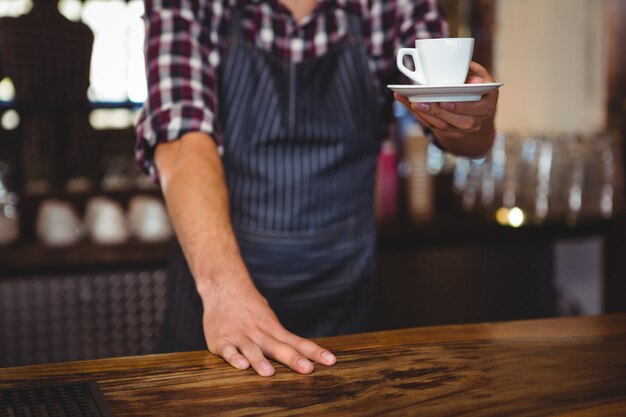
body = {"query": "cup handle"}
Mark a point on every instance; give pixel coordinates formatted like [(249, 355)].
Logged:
[(416, 75)]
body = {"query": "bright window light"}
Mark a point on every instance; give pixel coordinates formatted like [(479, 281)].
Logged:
[(71, 9), (15, 7), (117, 63), (107, 20), (136, 79), (111, 119), (7, 91)]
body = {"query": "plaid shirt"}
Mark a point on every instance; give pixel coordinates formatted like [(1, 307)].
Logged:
[(183, 50)]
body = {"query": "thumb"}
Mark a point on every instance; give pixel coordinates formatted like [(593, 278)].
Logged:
[(478, 72), (474, 79)]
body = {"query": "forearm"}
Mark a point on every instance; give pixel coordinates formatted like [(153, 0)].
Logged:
[(196, 195)]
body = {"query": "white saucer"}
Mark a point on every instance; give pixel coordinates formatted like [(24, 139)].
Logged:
[(441, 93)]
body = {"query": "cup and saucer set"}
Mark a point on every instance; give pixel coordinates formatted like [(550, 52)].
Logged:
[(441, 67)]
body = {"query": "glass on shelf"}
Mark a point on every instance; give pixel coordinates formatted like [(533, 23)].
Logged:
[(58, 224), (418, 160), (9, 216), (544, 178), (119, 173), (386, 203)]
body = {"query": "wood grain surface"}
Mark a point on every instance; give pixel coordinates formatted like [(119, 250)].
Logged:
[(555, 367)]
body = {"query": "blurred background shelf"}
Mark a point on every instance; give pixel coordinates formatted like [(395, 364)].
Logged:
[(29, 204), (32, 257), (474, 230), (35, 258)]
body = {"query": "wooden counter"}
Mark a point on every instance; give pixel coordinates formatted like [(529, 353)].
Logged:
[(565, 367)]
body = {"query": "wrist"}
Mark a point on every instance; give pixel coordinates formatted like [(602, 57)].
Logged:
[(472, 144), (225, 276)]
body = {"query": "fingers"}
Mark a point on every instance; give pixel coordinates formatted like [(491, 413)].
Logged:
[(435, 117), (461, 115), (310, 349), (292, 351), (475, 79), (295, 352), (251, 354), (254, 354), (440, 118), (478, 70), (231, 354), (246, 333), (432, 121), (403, 100), (485, 107), (286, 355)]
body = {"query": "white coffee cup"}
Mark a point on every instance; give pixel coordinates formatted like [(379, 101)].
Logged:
[(106, 221), (148, 219), (443, 61), (58, 223)]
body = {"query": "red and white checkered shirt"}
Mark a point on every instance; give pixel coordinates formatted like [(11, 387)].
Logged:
[(183, 49)]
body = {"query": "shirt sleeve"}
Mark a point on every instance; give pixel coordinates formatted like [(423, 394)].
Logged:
[(181, 70)]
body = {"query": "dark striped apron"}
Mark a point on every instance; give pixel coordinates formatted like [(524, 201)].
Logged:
[(300, 149)]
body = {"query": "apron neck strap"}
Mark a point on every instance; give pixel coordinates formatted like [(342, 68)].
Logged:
[(236, 29), (355, 25)]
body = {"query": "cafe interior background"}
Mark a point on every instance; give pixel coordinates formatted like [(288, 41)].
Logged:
[(534, 229)]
